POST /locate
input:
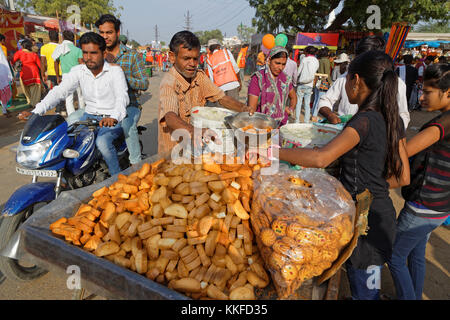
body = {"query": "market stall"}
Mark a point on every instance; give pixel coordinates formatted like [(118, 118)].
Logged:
[(219, 228)]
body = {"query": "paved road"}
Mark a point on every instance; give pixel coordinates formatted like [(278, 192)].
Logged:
[(52, 286)]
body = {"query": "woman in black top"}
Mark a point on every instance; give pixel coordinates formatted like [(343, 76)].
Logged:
[(373, 156)]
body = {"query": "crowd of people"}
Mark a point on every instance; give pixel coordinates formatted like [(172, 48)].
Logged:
[(372, 148)]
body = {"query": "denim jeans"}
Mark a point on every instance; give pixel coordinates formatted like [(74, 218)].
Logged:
[(104, 143), (407, 264), (364, 284), (129, 125), (317, 94), (303, 92)]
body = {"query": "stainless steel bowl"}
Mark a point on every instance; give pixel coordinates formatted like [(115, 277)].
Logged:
[(258, 120)]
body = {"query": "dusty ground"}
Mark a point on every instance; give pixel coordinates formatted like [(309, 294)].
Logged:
[(52, 286)]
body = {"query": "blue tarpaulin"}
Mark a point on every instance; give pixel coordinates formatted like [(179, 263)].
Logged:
[(432, 44)]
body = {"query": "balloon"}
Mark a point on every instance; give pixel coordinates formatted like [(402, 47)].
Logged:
[(281, 40), (265, 50), (268, 41)]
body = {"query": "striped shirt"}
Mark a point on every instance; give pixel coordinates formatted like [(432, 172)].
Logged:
[(134, 68), (179, 96), (430, 173)]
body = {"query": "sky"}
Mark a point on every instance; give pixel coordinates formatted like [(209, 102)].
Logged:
[(139, 17)]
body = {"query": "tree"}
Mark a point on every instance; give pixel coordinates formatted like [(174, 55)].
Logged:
[(312, 15), (245, 33), (134, 44), (90, 10), (433, 27), (205, 36)]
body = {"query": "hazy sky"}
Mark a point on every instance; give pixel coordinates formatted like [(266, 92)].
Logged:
[(139, 17)]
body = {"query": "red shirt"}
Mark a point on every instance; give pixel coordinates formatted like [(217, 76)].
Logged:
[(31, 63)]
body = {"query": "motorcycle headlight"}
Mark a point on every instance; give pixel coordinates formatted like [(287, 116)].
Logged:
[(30, 156)]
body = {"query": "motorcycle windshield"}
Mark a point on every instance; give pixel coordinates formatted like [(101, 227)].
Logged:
[(37, 126)]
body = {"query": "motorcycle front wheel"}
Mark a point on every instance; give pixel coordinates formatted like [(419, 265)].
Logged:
[(11, 268)]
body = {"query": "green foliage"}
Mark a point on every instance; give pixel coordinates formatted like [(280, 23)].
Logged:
[(432, 27), (312, 15), (91, 10), (245, 33), (134, 43), (205, 36)]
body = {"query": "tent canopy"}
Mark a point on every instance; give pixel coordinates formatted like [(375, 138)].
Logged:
[(416, 36), (431, 44)]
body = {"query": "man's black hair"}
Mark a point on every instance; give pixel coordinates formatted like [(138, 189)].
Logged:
[(370, 43), (53, 35), (408, 59), (95, 38), (186, 39), (68, 35), (27, 44), (310, 50), (430, 58), (442, 59), (109, 18), (214, 47), (2, 37)]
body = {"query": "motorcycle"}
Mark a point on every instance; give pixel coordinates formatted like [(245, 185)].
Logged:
[(50, 148)]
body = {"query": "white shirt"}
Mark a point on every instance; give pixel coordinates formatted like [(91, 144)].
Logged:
[(337, 94), (104, 94), (336, 73), (307, 70), (291, 70), (230, 85)]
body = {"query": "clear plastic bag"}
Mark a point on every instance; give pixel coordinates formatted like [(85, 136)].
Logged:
[(302, 220)]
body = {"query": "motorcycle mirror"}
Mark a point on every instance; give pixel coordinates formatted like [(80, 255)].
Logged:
[(71, 154)]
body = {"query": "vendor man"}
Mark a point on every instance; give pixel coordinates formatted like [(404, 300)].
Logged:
[(185, 87)]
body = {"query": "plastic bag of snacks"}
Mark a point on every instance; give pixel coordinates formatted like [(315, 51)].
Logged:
[(302, 220)]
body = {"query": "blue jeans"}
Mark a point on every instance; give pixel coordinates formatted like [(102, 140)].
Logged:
[(104, 143), (129, 125), (364, 284), (317, 94), (407, 264), (303, 92)]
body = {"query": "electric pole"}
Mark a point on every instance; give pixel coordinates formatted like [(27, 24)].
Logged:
[(156, 34), (188, 21)]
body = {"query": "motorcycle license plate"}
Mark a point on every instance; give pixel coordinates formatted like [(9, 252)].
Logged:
[(38, 173)]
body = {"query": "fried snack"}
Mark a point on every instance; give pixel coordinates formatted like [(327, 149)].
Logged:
[(185, 226), (301, 223)]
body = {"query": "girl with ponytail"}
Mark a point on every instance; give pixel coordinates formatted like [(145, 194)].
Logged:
[(371, 149), (428, 197)]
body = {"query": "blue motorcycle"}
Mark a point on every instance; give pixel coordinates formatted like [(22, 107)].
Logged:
[(50, 148)]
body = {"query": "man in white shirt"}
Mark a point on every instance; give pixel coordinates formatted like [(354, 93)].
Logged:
[(337, 94), (106, 96), (223, 69), (291, 70), (306, 73)]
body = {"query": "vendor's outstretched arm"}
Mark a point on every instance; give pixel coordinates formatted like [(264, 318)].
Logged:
[(174, 122), (330, 115), (322, 157), (232, 104)]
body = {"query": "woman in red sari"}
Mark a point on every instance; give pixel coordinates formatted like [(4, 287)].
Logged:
[(30, 74)]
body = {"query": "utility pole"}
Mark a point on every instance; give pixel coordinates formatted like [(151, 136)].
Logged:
[(12, 7), (156, 34), (188, 21)]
